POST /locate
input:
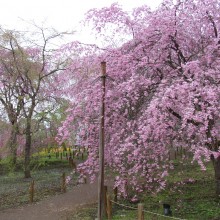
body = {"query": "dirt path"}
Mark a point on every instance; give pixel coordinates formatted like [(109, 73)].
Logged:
[(54, 208)]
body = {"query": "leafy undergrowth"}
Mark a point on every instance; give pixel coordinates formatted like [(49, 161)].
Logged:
[(14, 188), (190, 193)]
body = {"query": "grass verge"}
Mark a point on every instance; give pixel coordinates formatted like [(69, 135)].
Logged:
[(190, 192)]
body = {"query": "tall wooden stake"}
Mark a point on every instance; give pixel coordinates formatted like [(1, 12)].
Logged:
[(101, 202), (140, 211)]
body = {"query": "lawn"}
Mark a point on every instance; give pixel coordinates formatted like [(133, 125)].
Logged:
[(190, 192), (14, 188)]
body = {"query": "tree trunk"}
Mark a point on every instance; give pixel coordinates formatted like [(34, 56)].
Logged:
[(27, 172), (216, 164), (12, 144)]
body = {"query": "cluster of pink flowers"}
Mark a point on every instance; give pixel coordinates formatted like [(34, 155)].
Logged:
[(165, 92)]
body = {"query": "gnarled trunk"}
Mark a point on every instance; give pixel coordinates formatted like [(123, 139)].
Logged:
[(27, 172), (216, 164), (12, 144)]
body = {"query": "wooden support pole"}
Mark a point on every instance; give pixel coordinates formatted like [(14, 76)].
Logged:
[(140, 211), (109, 207), (101, 202), (63, 183), (31, 191)]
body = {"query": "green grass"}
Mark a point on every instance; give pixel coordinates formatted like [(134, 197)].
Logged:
[(14, 188), (38, 161), (189, 200), (196, 200)]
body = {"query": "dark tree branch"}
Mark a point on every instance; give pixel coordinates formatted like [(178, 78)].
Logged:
[(191, 121), (213, 24)]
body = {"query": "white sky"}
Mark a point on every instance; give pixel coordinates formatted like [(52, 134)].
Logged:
[(63, 15)]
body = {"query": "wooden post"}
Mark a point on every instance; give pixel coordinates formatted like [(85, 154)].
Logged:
[(109, 207), (31, 191), (175, 155), (140, 211), (115, 194), (63, 183), (71, 163), (61, 156), (101, 202), (82, 156)]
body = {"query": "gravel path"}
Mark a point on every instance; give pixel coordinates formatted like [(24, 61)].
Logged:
[(54, 208)]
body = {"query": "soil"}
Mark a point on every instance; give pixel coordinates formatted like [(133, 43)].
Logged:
[(57, 207)]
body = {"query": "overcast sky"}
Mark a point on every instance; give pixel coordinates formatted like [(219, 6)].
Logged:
[(62, 15)]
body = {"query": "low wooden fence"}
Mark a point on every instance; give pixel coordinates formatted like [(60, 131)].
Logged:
[(72, 155), (142, 214), (63, 187)]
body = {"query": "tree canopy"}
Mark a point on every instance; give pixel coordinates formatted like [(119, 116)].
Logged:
[(163, 91), (29, 66)]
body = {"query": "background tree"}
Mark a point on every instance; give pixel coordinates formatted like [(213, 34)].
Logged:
[(10, 95), (30, 64), (46, 132), (4, 137)]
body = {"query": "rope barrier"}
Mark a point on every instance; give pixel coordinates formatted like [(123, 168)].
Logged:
[(130, 207)]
